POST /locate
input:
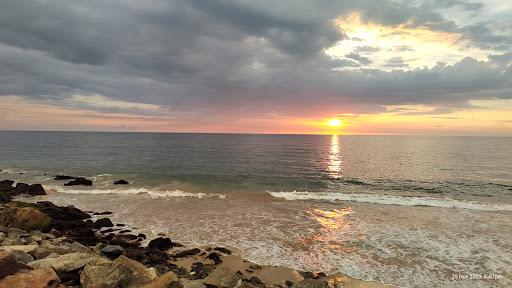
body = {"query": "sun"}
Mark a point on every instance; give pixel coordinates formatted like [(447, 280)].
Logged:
[(334, 122)]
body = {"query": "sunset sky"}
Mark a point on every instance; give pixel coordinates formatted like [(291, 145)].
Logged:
[(440, 67)]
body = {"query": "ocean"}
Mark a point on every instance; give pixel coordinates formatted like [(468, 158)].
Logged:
[(412, 211)]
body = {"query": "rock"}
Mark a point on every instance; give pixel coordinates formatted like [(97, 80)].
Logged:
[(103, 222), (200, 271), (36, 189), (186, 253), (307, 274), (223, 250), (312, 283), (79, 181), (112, 251), (215, 257), (39, 278), (186, 283), (255, 281), (29, 249), (8, 264), (126, 240), (22, 257), (121, 182), (223, 277), (122, 272), (141, 235), (21, 188), (6, 185), (161, 243), (63, 177), (67, 262), (164, 281), (288, 283), (25, 218)]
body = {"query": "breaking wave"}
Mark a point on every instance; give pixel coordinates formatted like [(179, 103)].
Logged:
[(392, 200)]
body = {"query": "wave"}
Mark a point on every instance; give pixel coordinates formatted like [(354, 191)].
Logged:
[(392, 200), (140, 191)]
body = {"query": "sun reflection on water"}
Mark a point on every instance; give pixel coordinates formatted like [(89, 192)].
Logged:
[(334, 164)]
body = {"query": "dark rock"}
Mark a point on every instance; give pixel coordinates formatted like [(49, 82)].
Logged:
[(141, 235), (103, 222), (79, 181), (125, 231), (161, 243), (112, 251), (8, 264), (288, 283), (307, 274), (256, 281), (320, 275), (186, 253), (21, 188), (63, 177), (121, 182), (255, 267), (223, 250), (126, 240), (36, 189), (200, 271), (120, 225), (6, 185), (215, 257)]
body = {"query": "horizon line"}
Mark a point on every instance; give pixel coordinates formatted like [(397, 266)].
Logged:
[(256, 133)]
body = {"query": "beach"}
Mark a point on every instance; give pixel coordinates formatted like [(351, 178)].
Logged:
[(44, 245)]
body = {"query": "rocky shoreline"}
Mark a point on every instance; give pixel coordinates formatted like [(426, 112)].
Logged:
[(45, 245)]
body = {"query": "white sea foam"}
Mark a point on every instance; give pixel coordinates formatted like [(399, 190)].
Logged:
[(393, 200), (140, 191)]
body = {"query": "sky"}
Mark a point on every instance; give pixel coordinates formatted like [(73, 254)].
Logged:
[(430, 67)]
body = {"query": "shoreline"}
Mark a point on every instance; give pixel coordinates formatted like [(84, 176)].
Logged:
[(112, 245)]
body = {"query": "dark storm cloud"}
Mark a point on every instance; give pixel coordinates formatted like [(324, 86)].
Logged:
[(248, 56)]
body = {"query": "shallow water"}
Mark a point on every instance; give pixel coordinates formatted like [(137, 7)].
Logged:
[(410, 211)]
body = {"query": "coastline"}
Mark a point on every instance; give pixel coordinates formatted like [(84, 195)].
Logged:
[(90, 243)]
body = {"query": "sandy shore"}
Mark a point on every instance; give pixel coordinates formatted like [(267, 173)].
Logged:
[(37, 238)]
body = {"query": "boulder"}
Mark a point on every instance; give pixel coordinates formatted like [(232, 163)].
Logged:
[(112, 251), (36, 189), (161, 243), (22, 257), (79, 181), (186, 253), (67, 262), (21, 188), (223, 277), (8, 264), (186, 283), (29, 249), (122, 272), (121, 182), (39, 278), (164, 281), (6, 185), (103, 222), (25, 218), (215, 257)]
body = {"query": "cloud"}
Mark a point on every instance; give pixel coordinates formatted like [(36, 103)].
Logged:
[(228, 60)]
